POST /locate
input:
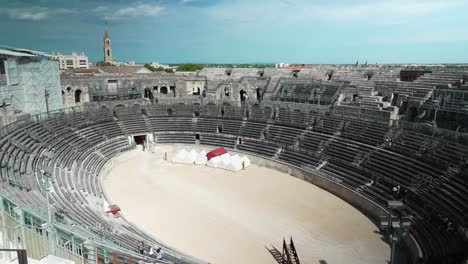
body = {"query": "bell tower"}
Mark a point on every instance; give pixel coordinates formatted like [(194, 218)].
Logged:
[(107, 46)]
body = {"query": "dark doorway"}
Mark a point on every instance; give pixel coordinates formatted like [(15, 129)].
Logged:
[(169, 112), (148, 93), (412, 114), (243, 95), (394, 99), (78, 96), (220, 128), (197, 136), (140, 139), (259, 95), (197, 91), (163, 90), (172, 88)]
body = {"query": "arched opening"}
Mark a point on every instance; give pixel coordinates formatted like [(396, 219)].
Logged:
[(163, 90), (394, 99), (243, 95), (196, 91), (148, 94), (412, 114), (227, 91), (169, 112), (68, 89), (259, 94), (172, 89), (78, 96), (108, 53), (156, 89)]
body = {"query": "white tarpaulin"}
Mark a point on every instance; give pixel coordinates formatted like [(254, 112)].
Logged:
[(201, 158), (225, 161), (185, 157)]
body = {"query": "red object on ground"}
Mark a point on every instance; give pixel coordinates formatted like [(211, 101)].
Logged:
[(113, 209), (215, 153)]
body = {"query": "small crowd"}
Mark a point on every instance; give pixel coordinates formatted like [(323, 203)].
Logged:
[(150, 251)]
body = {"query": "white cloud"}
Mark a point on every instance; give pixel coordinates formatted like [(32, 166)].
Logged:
[(33, 13), (138, 10)]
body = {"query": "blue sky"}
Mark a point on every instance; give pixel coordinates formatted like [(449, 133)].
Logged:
[(244, 31)]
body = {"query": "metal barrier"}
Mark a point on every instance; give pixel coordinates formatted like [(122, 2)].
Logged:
[(9, 255)]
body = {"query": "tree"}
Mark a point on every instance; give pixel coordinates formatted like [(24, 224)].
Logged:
[(106, 64), (190, 67), (158, 69)]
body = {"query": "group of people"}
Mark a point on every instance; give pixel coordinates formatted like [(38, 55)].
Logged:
[(150, 251)]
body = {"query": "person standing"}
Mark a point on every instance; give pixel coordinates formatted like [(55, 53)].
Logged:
[(159, 253)]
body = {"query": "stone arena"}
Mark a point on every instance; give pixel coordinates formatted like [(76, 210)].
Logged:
[(217, 215)]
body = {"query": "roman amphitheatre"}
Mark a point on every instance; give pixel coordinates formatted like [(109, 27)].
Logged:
[(342, 157)]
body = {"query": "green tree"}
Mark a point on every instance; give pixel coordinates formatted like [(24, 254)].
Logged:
[(106, 64), (190, 67), (158, 69)]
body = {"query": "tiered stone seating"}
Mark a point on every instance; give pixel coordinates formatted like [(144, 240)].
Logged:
[(258, 114), (312, 140), (230, 127), (231, 112), (210, 111), (156, 110), (366, 132), (427, 148), (258, 147), (206, 125), (431, 170), (329, 125), (292, 118), (307, 91), (171, 124), (175, 138), (283, 135), (301, 158), (252, 129), (218, 141), (182, 110)]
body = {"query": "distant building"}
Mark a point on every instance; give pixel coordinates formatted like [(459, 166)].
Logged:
[(298, 67), (107, 47), (29, 81), (288, 66), (281, 65), (159, 65), (124, 69), (73, 61)]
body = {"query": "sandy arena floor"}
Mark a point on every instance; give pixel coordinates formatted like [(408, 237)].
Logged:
[(230, 217)]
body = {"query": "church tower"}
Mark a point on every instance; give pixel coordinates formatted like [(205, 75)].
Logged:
[(107, 47)]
